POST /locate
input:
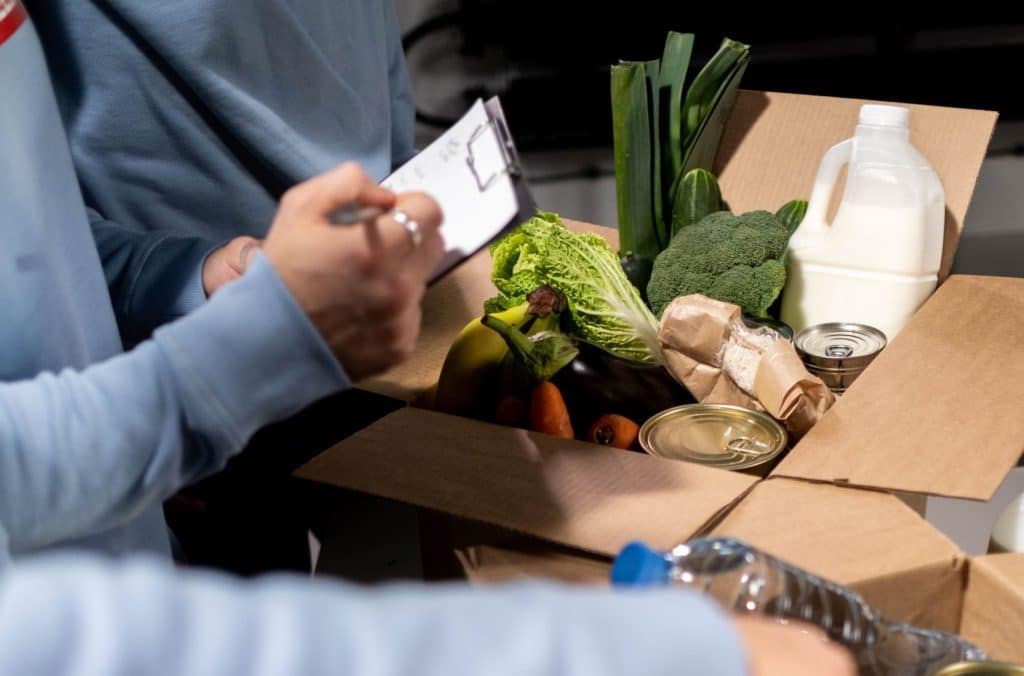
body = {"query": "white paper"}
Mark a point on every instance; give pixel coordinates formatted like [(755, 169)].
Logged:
[(465, 170)]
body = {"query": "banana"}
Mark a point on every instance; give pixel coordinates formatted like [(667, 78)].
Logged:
[(469, 374)]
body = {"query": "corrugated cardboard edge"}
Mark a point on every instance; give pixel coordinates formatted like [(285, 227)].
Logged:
[(993, 614), (496, 562), (580, 495), (900, 386), (929, 596), (773, 143), (522, 560)]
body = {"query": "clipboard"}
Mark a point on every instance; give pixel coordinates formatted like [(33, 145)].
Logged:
[(474, 172)]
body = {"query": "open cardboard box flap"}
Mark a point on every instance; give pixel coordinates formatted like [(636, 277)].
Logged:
[(994, 605), (585, 496), (868, 540), (773, 143), (939, 411)]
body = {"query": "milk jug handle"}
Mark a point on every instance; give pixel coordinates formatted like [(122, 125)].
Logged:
[(824, 184)]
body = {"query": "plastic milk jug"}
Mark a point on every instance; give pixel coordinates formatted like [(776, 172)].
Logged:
[(878, 259)]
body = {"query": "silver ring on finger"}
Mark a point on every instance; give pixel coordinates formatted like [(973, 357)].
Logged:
[(412, 228)]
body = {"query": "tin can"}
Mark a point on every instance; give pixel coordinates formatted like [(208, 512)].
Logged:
[(838, 352), (717, 435), (981, 669), (782, 328)]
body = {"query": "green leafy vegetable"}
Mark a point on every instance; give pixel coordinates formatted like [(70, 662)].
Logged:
[(603, 307), (631, 128), (662, 130), (675, 61), (709, 102)]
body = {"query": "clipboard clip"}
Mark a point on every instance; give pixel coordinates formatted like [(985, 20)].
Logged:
[(505, 146)]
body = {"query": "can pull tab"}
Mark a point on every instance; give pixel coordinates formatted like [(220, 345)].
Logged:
[(748, 446), (838, 350)]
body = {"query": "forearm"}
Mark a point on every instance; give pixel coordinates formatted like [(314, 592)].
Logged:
[(143, 619), (83, 451)]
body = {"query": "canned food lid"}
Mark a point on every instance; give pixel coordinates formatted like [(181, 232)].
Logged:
[(730, 437), (840, 345), (981, 669), (782, 328)]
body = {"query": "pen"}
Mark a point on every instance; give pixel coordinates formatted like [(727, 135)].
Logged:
[(351, 214)]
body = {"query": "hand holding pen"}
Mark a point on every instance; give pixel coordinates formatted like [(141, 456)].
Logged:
[(360, 285)]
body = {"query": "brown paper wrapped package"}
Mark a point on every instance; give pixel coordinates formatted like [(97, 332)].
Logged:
[(697, 332)]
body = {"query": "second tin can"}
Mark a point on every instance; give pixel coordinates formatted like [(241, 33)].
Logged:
[(838, 352)]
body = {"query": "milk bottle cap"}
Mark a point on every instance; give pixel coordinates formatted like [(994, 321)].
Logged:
[(884, 116)]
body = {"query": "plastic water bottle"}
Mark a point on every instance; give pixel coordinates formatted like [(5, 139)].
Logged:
[(746, 580)]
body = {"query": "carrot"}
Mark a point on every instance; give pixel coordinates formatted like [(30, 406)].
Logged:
[(548, 412), (511, 411), (614, 430)]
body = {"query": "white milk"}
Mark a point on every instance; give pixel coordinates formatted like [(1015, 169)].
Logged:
[(878, 260)]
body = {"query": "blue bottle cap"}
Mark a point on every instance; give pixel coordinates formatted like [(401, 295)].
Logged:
[(637, 565)]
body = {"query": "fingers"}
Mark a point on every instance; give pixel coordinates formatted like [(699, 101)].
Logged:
[(400, 334), (228, 262), (423, 208), (405, 241), (791, 649), (414, 244), (247, 248)]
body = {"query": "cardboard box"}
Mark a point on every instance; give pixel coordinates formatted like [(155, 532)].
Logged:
[(867, 540), (936, 413), (769, 154), (994, 605)]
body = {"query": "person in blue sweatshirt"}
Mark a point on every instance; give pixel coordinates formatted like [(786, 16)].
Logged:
[(193, 117), (203, 384), (92, 438), (187, 122)]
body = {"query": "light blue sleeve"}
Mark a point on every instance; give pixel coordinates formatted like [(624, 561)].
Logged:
[(403, 105), (82, 452), (153, 277), (65, 616)]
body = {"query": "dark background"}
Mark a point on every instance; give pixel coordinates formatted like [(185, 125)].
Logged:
[(560, 51)]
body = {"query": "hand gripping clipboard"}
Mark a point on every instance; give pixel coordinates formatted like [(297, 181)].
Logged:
[(474, 173)]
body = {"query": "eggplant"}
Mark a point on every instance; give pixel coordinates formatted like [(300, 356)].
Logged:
[(638, 270), (597, 382)]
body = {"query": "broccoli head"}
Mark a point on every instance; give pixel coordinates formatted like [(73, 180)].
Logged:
[(736, 259)]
